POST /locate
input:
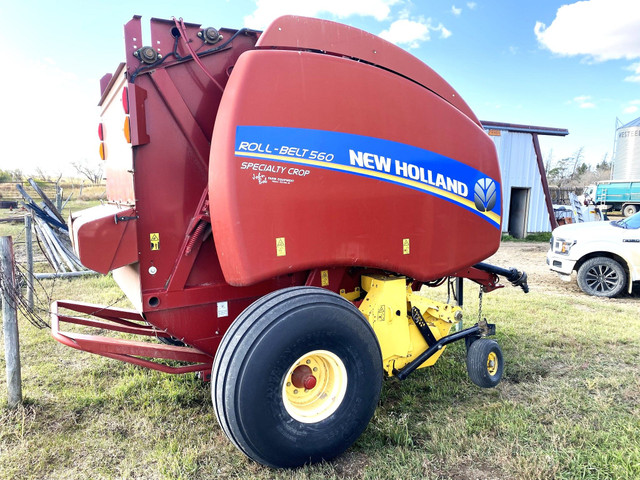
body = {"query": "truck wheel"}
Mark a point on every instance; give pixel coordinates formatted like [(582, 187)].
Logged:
[(297, 377), (628, 210), (602, 277), (485, 363)]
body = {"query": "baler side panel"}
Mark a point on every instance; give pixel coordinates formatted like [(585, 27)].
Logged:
[(275, 212)]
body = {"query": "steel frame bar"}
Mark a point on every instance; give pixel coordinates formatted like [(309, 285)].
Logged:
[(477, 330), (121, 349)]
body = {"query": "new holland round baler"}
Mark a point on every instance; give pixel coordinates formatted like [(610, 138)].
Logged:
[(276, 202)]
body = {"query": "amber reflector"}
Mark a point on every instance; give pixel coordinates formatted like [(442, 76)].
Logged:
[(103, 154), (125, 100), (127, 131)]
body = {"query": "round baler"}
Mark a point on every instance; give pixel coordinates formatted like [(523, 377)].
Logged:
[(278, 204)]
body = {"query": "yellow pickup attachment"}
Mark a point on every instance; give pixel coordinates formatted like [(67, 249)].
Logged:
[(387, 307)]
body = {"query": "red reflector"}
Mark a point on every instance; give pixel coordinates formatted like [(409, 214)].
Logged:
[(125, 100), (101, 132)]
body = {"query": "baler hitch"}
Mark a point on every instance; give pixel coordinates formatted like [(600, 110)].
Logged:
[(516, 277)]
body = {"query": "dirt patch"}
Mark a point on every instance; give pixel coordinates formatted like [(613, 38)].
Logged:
[(351, 465), (532, 258)]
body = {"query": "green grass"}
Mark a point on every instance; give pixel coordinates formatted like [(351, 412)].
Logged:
[(530, 237), (568, 406)]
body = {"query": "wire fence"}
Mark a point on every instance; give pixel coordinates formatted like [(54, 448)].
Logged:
[(44, 290), (560, 195), (9, 192), (42, 245)]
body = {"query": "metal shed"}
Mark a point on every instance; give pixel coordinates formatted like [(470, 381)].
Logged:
[(527, 206)]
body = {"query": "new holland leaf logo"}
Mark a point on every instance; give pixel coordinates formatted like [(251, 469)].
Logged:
[(484, 194)]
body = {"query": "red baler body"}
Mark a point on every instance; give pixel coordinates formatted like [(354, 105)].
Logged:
[(304, 154)]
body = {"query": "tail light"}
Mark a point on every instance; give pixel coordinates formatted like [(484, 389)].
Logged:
[(125, 107), (103, 153)]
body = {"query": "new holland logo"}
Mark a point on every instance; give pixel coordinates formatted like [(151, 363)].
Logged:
[(485, 195)]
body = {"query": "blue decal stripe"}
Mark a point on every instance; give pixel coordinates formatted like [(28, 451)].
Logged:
[(490, 216)]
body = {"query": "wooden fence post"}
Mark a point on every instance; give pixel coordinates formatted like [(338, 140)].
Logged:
[(10, 322), (30, 279)]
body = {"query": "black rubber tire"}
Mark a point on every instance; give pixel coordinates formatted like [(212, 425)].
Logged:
[(477, 363), (602, 277), (628, 210), (171, 341), (254, 358)]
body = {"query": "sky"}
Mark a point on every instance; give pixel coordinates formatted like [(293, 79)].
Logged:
[(573, 65)]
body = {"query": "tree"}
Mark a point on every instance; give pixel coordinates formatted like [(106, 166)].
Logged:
[(603, 169), (91, 171), (581, 170), (11, 175), (576, 159), (42, 175), (572, 172)]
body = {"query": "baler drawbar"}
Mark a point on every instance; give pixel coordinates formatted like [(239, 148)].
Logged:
[(279, 203)]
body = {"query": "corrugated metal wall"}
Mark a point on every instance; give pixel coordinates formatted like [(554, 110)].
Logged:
[(519, 168)]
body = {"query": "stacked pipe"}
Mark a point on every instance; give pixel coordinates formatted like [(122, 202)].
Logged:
[(52, 234)]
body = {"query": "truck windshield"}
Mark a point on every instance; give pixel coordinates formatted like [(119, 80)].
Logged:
[(630, 222)]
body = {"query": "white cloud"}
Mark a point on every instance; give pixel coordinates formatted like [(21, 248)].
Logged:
[(599, 29), (472, 5), (412, 32), (633, 107), (456, 11), (268, 10), (444, 33), (584, 101), (635, 68), (407, 32)]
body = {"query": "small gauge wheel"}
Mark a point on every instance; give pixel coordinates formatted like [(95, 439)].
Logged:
[(485, 363)]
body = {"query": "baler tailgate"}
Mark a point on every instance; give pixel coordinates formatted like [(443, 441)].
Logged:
[(131, 351)]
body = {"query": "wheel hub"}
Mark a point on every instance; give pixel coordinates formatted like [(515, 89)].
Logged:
[(602, 279), (302, 377), (314, 386), (492, 364)]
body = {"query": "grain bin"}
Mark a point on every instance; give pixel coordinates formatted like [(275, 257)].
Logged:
[(626, 161)]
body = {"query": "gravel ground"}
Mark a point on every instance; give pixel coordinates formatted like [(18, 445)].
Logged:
[(531, 257)]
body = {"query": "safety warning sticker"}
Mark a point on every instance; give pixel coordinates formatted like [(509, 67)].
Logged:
[(406, 247), (154, 238)]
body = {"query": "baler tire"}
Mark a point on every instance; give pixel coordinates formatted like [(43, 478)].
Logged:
[(485, 363), (254, 367), (602, 277)]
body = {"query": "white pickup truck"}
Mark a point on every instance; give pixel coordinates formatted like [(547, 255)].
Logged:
[(605, 255)]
